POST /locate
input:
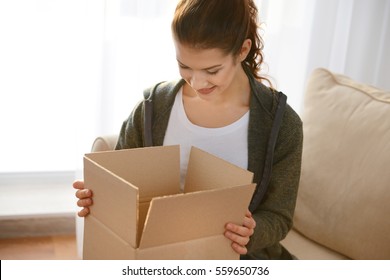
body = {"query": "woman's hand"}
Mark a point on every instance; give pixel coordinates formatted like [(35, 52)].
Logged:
[(84, 196), (240, 235)]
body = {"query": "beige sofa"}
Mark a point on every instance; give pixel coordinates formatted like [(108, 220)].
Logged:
[(343, 206)]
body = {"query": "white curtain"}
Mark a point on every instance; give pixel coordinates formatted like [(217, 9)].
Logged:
[(138, 52), (351, 37), (50, 73), (73, 69)]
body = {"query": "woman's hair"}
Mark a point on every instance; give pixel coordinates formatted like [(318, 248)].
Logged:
[(223, 24)]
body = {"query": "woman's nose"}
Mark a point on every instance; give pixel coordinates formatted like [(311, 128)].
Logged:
[(198, 81)]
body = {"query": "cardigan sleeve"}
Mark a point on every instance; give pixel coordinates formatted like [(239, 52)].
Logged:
[(131, 133), (274, 216)]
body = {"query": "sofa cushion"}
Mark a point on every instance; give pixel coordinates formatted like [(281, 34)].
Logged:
[(305, 249), (344, 195)]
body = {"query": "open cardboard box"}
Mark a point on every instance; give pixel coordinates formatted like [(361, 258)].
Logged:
[(140, 213)]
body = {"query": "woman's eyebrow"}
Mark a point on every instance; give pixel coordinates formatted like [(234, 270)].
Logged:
[(207, 68)]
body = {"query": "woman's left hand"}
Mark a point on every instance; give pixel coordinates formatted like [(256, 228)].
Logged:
[(239, 235)]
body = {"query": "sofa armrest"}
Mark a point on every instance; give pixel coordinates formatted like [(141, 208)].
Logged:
[(104, 143)]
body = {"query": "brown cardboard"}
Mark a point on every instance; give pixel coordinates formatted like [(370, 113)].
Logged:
[(139, 212)]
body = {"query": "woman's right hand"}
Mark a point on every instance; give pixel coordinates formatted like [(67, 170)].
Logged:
[(84, 196)]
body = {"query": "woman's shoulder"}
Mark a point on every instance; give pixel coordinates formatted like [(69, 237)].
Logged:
[(268, 98), (163, 90), (161, 96), (264, 99)]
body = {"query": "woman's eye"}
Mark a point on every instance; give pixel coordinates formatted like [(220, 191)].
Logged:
[(183, 67), (212, 72)]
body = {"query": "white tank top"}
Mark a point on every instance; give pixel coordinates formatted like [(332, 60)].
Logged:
[(229, 142)]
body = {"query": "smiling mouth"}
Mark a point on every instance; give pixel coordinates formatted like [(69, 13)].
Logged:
[(206, 90)]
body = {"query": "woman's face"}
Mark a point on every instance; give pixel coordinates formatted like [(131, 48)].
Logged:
[(209, 72)]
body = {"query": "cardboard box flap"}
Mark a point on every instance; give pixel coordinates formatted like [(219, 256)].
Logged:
[(194, 215), (115, 201), (155, 171), (113, 247), (218, 174), (209, 248)]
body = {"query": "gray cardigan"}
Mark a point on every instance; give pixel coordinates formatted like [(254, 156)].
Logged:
[(274, 216)]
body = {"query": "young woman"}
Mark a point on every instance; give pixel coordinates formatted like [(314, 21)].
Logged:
[(222, 106)]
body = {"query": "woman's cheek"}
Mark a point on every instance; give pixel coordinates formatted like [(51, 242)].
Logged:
[(185, 74)]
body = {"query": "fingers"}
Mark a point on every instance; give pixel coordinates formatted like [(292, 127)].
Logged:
[(85, 202), (245, 231), (83, 212), (242, 250), (240, 234), (249, 223), (84, 193), (78, 184), (84, 196), (238, 242)]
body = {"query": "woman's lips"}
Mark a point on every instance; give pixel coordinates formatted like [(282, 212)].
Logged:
[(206, 90)]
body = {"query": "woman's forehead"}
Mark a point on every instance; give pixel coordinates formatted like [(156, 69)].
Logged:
[(200, 58)]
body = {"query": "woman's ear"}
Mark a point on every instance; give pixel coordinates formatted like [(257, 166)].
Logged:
[(245, 49)]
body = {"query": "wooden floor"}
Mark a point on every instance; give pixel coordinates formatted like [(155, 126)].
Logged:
[(39, 248)]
